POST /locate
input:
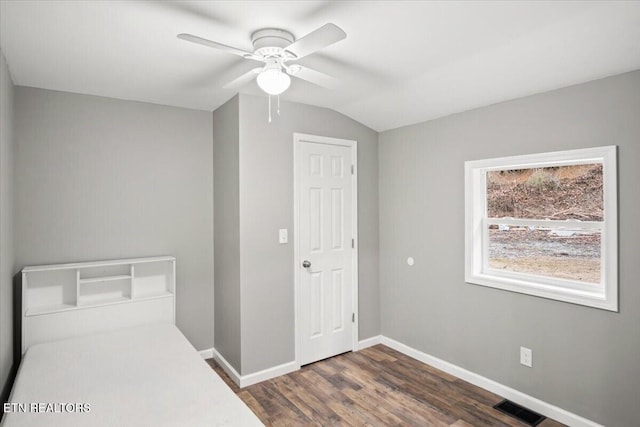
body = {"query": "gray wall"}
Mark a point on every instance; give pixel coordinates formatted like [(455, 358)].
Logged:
[(99, 178), (7, 265), (226, 204), (585, 360), (266, 205)]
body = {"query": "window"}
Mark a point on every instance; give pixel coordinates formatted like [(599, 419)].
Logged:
[(545, 225)]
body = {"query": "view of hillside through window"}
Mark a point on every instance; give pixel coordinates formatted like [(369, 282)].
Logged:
[(560, 193)]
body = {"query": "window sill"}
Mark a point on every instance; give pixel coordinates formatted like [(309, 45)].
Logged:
[(596, 298)]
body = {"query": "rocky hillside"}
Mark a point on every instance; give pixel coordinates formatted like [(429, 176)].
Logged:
[(567, 192)]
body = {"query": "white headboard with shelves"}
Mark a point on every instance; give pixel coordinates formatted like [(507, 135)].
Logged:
[(66, 300)]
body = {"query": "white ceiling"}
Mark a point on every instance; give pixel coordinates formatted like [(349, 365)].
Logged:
[(401, 63)]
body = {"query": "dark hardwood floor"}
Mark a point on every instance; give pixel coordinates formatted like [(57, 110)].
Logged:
[(377, 386)]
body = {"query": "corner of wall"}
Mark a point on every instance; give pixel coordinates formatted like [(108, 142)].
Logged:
[(227, 321), (7, 250)]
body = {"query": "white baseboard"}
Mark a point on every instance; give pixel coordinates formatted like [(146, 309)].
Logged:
[(226, 366), (250, 379), (207, 353), (369, 342), (523, 399), (267, 374)]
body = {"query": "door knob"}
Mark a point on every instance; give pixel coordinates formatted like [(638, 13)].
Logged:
[(306, 264)]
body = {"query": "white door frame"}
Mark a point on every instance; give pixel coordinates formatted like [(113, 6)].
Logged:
[(297, 138)]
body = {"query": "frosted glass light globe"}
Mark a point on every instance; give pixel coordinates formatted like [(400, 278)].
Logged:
[(273, 81)]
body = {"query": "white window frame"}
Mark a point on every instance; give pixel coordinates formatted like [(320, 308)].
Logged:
[(477, 270)]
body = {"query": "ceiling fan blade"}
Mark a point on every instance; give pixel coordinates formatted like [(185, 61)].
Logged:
[(324, 36), (216, 45), (313, 76), (243, 79)]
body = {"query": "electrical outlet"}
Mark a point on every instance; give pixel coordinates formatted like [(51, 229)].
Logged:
[(526, 357)]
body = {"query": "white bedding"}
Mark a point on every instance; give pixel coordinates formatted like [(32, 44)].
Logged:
[(145, 376)]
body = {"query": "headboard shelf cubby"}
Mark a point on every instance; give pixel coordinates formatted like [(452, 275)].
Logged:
[(131, 287)]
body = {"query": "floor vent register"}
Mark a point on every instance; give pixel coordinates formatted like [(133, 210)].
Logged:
[(519, 412)]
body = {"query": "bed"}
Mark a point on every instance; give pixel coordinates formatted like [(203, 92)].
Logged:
[(141, 374)]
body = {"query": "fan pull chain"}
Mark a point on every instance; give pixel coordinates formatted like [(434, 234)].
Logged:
[(269, 108), (278, 104)]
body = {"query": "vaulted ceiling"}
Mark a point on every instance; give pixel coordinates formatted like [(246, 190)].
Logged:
[(401, 63)]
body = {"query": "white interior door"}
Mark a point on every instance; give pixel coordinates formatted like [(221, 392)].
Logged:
[(326, 253)]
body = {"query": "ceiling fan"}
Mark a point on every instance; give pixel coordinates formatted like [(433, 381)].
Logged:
[(275, 48)]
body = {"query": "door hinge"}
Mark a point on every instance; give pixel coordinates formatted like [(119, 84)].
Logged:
[(353, 318), (353, 243), (352, 169)]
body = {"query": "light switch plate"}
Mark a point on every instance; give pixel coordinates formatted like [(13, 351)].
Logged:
[(283, 236)]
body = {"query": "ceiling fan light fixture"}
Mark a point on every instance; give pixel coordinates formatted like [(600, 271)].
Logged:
[(273, 81), (275, 47)]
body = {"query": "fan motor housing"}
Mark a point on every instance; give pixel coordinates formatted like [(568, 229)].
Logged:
[(269, 42)]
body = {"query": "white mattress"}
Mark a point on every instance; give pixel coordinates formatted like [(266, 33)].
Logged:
[(146, 376)]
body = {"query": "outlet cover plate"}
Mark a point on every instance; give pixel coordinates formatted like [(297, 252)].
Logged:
[(526, 357)]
